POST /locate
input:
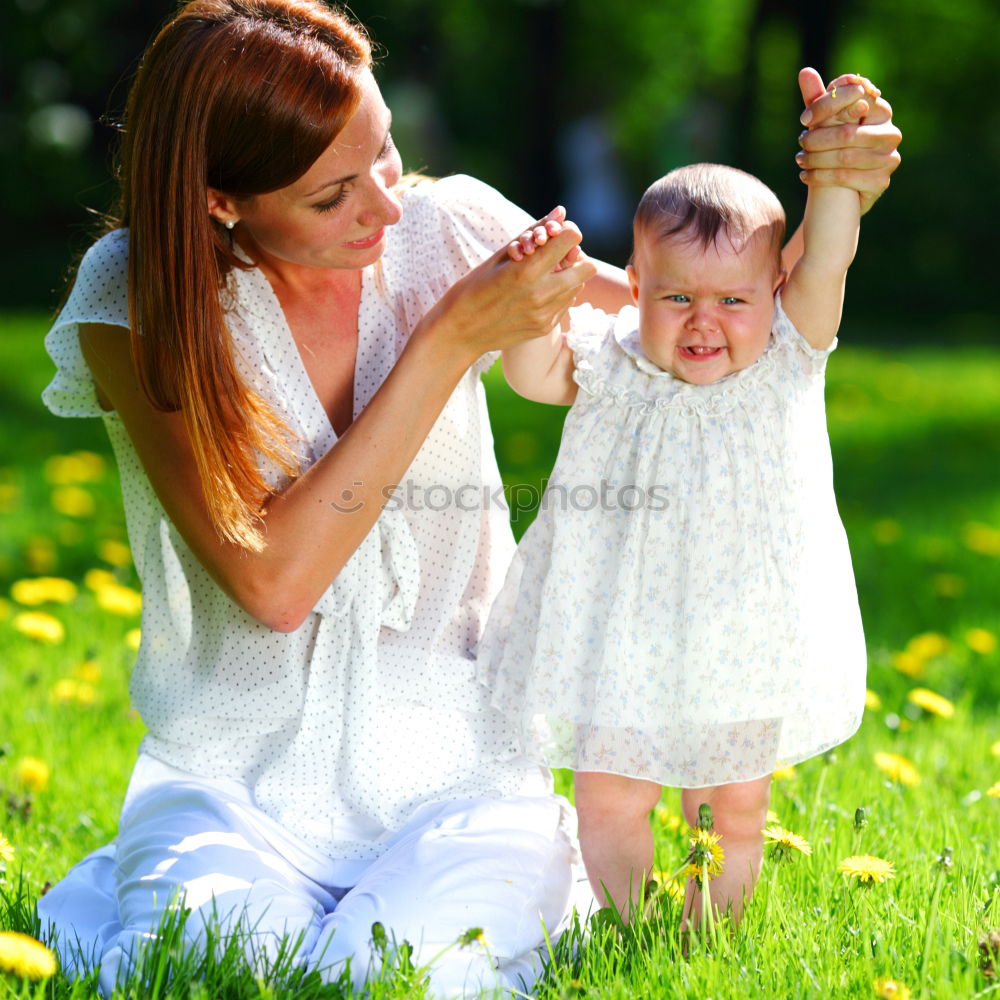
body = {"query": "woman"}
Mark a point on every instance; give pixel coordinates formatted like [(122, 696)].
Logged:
[(306, 334)]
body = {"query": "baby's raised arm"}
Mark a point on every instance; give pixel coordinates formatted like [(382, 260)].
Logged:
[(542, 369), (813, 296)]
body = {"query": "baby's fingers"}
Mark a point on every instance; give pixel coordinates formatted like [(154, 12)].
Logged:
[(514, 250), (848, 79), (550, 254)]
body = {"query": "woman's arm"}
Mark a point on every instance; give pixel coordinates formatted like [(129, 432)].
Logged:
[(314, 526)]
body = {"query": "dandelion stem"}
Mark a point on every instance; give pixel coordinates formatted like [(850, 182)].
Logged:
[(944, 863), (707, 920)]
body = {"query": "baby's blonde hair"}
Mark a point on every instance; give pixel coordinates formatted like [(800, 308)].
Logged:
[(706, 201)]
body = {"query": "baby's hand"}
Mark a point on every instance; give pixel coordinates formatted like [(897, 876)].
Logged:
[(539, 234), (858, 92)]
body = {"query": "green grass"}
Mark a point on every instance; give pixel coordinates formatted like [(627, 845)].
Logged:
[(916, 437)]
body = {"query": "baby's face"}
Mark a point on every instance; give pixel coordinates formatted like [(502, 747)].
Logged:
[(704, 313)]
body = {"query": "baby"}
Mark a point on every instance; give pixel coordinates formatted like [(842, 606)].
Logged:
[(683, 611)]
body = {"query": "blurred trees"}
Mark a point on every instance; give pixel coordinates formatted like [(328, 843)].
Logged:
[(576, 101)]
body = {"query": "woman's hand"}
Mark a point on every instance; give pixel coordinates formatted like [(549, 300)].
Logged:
[(861, 155), (503, 302)]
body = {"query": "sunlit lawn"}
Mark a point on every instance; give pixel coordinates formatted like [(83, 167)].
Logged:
[(917, 450)]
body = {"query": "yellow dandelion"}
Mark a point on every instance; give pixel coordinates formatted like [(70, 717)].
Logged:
[(786, 773), (6, 852), (71, 691), (73, 501), (669, 886), (64, 690), (898, 768), (667, 820), (928, 645), (79, 467), (783, 843), (474, 935), (886, 531), (97, 579), (891, 989), (772, 817), (979, 640), (33, 773), (994, 791), (872, 701), (932, 702), (25, 957), (706, 857), (132, 638), (115, 552), (866, 868), (89, 671), (995, 749), (43, 590), (981, 538), (120, 600), (38, 625), (908, 663), (948, 584)]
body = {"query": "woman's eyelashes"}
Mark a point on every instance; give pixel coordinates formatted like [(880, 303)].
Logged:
[(327, 206)]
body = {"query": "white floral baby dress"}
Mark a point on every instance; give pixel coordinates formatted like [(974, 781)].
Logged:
[(683, 608)]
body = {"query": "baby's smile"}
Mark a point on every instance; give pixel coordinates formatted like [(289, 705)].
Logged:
[(700, 351)]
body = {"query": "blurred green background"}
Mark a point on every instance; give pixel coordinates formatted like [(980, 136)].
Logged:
[(581, 102)]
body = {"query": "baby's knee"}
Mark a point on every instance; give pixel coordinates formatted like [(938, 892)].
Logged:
[(604, 797), (739, 810)]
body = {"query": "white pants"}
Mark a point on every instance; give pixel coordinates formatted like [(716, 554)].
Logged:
[(505, 865)]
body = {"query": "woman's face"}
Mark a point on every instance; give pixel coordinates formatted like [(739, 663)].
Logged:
[(335, 214)]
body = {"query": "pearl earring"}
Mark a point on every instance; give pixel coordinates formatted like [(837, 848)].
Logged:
[(230, 223)]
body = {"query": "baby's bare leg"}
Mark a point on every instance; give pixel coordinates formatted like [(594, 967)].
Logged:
[(740, 813), (615, 836)]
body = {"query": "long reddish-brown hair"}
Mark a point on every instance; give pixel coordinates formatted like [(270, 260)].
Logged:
[(241, 96)]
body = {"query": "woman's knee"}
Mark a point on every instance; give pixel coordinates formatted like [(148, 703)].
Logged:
[(266, 922), (263, 922)]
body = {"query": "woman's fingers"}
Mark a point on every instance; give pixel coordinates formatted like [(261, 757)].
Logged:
[(862, 146), (546, 284), (865, 170), (880, 113)]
